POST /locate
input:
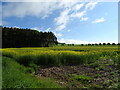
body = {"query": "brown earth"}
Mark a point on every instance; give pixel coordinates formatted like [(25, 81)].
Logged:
[(105, 77)]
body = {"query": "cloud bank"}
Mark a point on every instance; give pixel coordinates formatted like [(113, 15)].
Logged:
[(100, 20), (72, 41), (69, 11)]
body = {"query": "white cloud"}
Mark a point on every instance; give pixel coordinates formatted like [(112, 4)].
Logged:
[(78, 14), (77, 7), (59, 0), (63, 18), (99, 20), (16, 27), (48, 29), (69, 30), (72, 41), (58, 34), (66, 4), (71, 11), (39, 9), (44, 9), (84, 19), (91, 5), (36, 28), (41, 29), (60, 27), (1, 14)]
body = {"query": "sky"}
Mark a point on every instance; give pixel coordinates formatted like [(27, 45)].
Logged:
[(71, 22)]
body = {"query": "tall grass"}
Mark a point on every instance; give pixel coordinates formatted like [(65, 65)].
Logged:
[(85, 48), (43, 56), (15, 76)]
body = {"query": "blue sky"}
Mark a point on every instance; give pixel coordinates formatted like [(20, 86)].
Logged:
[(71, 22)]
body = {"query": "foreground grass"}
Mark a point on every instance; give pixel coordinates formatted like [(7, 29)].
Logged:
[(15, 76), (20, 63)]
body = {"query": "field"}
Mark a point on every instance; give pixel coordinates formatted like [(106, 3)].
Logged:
[(61, 67)]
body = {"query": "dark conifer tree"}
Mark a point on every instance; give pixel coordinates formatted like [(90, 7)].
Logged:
[(15, 37)]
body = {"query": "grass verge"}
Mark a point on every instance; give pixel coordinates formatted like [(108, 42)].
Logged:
[(15, 76)]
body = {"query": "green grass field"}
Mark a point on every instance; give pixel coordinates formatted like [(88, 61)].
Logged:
[(20, 64)]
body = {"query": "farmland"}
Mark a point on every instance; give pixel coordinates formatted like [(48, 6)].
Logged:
[(61, 67)]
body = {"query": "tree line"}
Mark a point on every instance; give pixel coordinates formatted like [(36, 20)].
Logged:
[(99, 44), (17, 37)]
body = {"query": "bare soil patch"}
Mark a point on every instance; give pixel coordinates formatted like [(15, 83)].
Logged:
[(105, 77)]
